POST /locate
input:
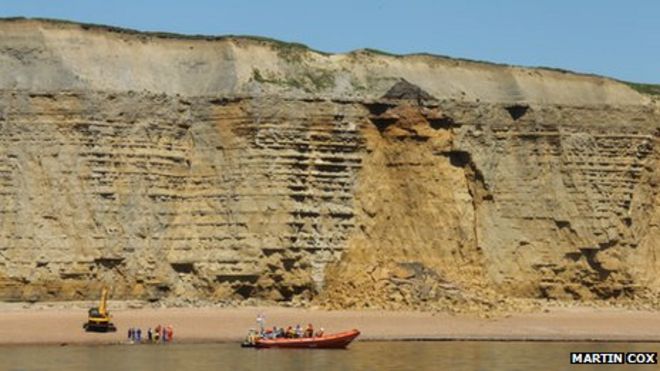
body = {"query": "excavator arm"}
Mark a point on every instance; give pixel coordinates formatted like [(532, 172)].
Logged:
[(104, 302)]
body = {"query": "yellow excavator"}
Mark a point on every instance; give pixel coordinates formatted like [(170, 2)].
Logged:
[(99, 317)]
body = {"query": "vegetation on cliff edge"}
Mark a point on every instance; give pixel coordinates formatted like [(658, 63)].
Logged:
[(650, 89)]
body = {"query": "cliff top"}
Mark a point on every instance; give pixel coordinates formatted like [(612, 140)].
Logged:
[(44, 54)]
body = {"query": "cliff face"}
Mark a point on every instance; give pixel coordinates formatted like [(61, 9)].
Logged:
[(230, 168)]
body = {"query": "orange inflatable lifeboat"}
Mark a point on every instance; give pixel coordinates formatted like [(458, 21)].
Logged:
[(330, 341)]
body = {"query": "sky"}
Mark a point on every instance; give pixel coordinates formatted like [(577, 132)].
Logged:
[(619, 39)]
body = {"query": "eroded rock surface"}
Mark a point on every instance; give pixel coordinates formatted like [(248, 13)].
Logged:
[(227, 168)]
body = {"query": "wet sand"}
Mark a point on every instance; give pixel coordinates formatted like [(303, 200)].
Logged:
[(64, 326)]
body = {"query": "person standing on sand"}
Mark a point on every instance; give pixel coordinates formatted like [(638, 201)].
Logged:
[(170, 332), (130, 333), (150, 335), (138, 335)]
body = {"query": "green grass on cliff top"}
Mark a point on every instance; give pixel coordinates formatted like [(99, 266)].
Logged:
[(650, 89), (292, 48)]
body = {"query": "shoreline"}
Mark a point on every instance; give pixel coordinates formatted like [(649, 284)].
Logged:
[(62, 326)]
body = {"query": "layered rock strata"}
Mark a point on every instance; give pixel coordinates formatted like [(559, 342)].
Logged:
[(232, 168)]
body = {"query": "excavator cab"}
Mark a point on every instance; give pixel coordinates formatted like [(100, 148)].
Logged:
[(99, 319)]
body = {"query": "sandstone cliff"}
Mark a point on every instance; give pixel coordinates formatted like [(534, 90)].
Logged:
[(228, 168)]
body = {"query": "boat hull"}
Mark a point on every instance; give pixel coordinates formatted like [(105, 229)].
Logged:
[(332, 341)]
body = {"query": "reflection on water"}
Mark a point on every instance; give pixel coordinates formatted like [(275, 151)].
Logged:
[(395, 355)]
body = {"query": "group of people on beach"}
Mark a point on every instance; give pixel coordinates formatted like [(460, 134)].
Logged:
[(160, 334)]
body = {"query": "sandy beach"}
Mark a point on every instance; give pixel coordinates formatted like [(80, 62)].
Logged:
[(64, 326)]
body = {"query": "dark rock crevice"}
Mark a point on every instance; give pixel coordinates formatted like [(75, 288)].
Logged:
[(517, 111)]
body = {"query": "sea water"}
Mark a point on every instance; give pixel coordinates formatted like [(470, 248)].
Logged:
[(361, 355)]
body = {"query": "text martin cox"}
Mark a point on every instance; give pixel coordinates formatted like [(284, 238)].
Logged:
[(643, 358)]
